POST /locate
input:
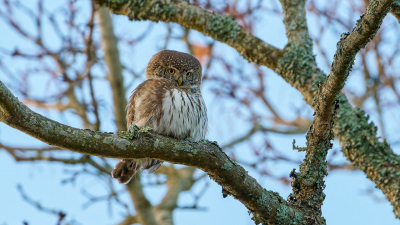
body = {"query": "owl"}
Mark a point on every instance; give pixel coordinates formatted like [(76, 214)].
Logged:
[(170, 102)]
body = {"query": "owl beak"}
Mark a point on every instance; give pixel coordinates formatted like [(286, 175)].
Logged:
[(180, 81)]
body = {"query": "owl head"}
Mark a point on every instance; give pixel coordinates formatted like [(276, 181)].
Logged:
[(181, 67)]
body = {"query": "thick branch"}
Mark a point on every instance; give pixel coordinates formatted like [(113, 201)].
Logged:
[(308, 185), (266, 206), (367, 153), (300, 45), (220, 27)]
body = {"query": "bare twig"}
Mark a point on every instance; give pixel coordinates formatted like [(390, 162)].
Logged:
[(61, 215)]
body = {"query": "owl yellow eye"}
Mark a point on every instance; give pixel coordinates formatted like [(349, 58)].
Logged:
[(171, 71), (188, 74)]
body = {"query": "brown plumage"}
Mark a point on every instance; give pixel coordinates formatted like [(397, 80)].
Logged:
[(170, 102)]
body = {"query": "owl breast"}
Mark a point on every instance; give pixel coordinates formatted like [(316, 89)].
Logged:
[(183, 115)]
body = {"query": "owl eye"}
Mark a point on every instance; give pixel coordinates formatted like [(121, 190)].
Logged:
[(188, 74), (171, 71)]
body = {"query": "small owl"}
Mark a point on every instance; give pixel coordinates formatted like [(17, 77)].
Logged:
[(170, 102)]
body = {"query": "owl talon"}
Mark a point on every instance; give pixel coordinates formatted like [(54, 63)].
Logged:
[(177, 137)]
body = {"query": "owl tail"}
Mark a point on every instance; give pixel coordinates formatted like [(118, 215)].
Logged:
[(124, 170), (127, 168)]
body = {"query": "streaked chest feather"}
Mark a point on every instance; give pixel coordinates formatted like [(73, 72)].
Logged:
[(183, 114)]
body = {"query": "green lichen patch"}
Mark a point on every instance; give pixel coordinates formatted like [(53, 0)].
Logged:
[(131, 133), (145, 129), (295, 66)]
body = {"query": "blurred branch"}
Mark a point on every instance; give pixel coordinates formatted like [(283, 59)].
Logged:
[(344, 166), (178, 180), (142, 205), (90, 60), (40, 207), (44, 149), (111, 57), (65, 66), (257, 127), (59, 106), (83, 159)]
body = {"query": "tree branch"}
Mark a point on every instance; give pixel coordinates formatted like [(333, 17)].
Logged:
[(353, 131), (257, 127), (308, 185), (348, 47), (220, 27), (294, 17), (395, 10), (266, 206), (178, 180), (142, 205), (356, 135), (358, 138), (89, 63), (60, 214)]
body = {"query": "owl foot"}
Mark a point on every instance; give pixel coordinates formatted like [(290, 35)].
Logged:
[(124, 170), (177, 137), (130, 134)]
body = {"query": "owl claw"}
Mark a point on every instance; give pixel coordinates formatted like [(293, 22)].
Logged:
[(177, 137)]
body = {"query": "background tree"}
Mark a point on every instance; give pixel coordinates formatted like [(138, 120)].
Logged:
[(66, 62)]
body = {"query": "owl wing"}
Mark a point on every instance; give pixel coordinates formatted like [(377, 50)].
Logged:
[(144, 108), (145, 104)]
